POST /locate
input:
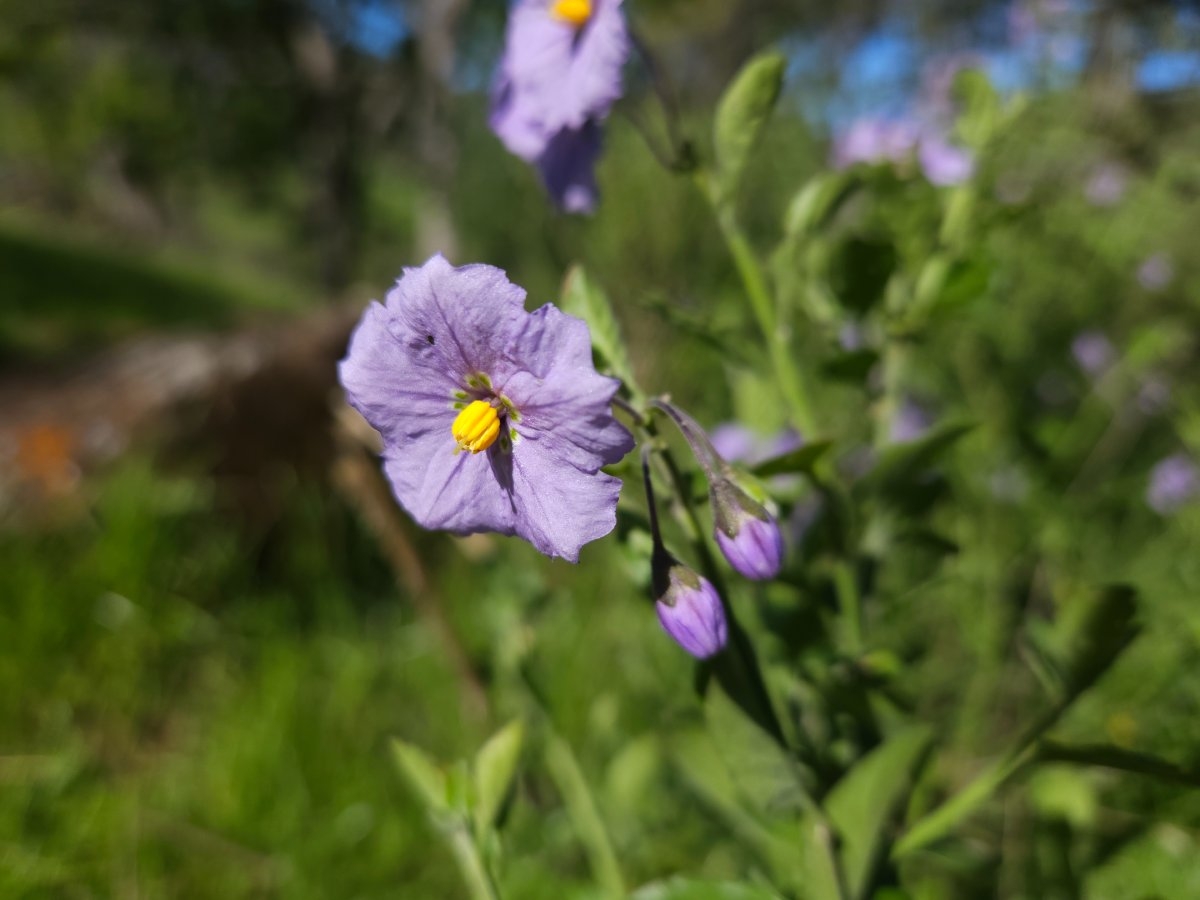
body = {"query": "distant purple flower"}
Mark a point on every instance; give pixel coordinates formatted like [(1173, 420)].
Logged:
[(1154, 395), (1107, 184), (852, 336), (910, 423), (689, 609), (737, 443), (1093, 351), (558, 79), (1173, 482), (493, 418), (870, 140), (1156, 272), (944, 163), (938, 76)]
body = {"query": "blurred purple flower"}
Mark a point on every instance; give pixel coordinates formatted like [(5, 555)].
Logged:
[(877, 141), (1107, 184), (1173, 482), (910, 423), (852, 336), (493, 418), (1156, 272), (558, 79), (1093, 352), (944, 163), (1154, 395), (937, 100), (870, 140), (737, 443)]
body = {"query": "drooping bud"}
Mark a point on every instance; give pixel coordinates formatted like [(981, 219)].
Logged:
[(689, 608), (746, 533)]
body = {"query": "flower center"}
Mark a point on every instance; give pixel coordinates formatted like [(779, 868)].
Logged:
[(573, 12), (476, 427)]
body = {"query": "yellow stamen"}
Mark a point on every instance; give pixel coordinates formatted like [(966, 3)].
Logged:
[(476, 427), (573, 12)]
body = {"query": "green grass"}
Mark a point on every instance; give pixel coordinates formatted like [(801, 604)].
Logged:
[(64, 294)]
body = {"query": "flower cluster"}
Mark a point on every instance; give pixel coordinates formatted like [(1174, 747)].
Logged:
[(558, 79)]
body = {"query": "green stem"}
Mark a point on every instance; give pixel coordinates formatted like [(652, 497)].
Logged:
[(581, 807), (777, 337), (846, 584), (471, 866)]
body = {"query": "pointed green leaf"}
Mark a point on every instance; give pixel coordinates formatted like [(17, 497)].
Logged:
[(494, 770), (801, 460), (584, 298), (741, 115), (424, 778), (817, 202), (900, 464), (864, 801), (1106, 630)]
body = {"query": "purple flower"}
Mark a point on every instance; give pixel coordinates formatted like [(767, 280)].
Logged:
[(1093, 351), (910, 422), (869, 140), (737, 443), (944, 163), (1173, 482), (1156, 272), (1107, 185), (493, 418), (558, 79), (689, 608)]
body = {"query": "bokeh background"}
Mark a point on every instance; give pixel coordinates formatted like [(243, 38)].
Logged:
[(212, 618)]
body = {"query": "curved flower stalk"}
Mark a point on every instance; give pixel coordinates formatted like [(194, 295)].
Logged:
[(688, 606), (747, 534), (558, 79), (493, 418)]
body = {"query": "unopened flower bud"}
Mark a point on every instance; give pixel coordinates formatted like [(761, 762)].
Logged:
[(689, 608), (746, 533)]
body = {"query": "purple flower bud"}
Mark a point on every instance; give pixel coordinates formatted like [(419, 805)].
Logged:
[(746, 533), (689, 608)]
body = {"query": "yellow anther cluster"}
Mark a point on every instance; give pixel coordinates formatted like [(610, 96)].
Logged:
[(476, 427), (574, 12)]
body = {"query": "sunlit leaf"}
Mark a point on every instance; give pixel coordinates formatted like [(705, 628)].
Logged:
[(494, 770), (864, 801)]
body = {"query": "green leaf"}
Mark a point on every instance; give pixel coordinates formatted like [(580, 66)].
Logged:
[(424, 778), (864, 801), (584, 298), (803, 459), (741, 115), (764, 773), (1107, 629), (686, 889), (495, 769), (860, 269), (900, 464), (817, 202), (852, 365)]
